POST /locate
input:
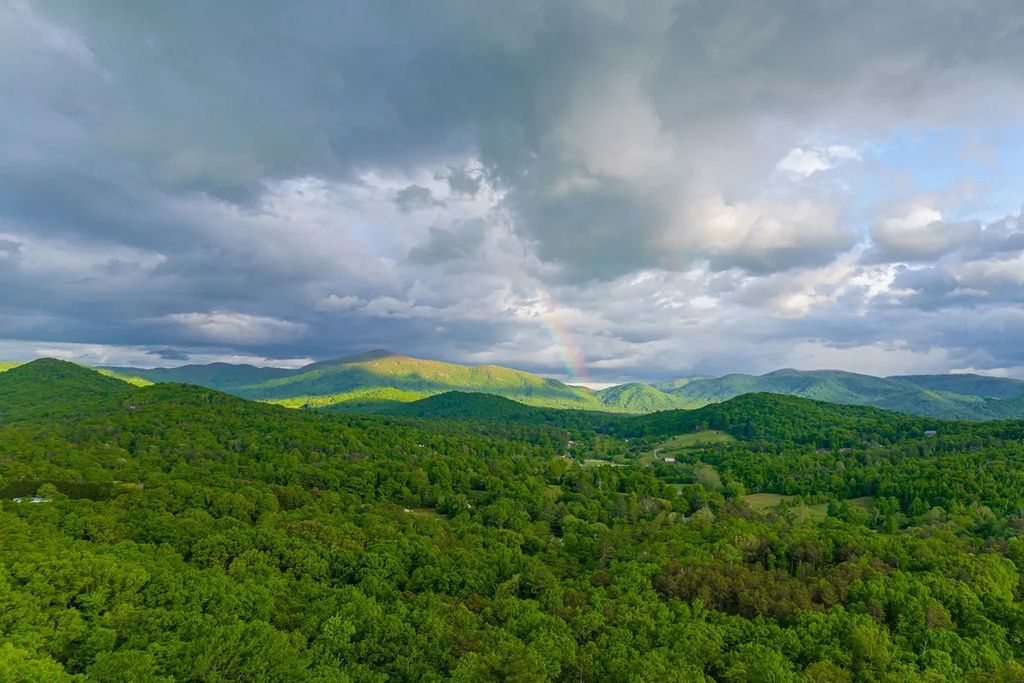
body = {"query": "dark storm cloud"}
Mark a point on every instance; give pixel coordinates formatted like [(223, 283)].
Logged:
[(169, 354), (444, 245), (416, 197), (189, 175)]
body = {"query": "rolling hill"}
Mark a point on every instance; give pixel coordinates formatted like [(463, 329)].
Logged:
[(370, 381), (223, 376), (374, 377), (48, 387), (182, 531), (637, 397), (780, 418), (968, 384), (967, 397)]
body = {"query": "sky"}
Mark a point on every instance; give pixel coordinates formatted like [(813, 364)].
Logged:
[(585, 189)]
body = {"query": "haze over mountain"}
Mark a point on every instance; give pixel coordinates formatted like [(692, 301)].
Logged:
[(378, 378)]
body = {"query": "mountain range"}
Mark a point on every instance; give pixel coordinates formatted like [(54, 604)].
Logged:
[(381, 381), (957, 396), (48, 389)]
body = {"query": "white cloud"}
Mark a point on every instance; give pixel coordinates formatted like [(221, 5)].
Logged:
[(224, 327), (921, 233), (995, 271), (132, 356), (758, 233), (806, 161)]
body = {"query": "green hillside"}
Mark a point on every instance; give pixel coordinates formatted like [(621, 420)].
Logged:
[(370, 382), (124, 377), (175, 532), (221, 376), (471, 406), (637, 397), (968, 384), (421, 376), (49, 387), (710, 389), (373, 377), (6, 365), (458, 405), (781, 418), (935, 395)]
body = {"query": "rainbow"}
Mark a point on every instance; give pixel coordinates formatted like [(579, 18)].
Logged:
[(570, 354)]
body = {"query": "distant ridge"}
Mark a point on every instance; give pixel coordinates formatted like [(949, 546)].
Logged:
[(967, 397), (366, 357), (380, 376), (376, 376)]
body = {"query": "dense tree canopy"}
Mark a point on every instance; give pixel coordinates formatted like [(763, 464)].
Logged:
[(182, 534)]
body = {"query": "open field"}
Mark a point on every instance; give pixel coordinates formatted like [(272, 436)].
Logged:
[(683, 444), (694, 439), (762, 502), (765, 501), (591, 462)]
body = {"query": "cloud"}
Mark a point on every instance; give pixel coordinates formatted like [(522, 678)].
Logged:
[(920, 233), (236, 328), (9, 248), (995, 271), (699, 186), (415, 197), (444, 245), (804, 162), (465, 180), (333, 302), (761, 236), (170, 354)]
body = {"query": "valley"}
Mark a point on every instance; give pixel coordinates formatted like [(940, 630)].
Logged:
[(182, 530)]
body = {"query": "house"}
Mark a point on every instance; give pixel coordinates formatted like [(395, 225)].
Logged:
[(930, 432), (669, 459)]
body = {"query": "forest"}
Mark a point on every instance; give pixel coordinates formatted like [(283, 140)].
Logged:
[(173, 532)]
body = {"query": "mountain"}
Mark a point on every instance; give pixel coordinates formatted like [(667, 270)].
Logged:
[(781, 418), (968, 384), (370, 382), (637, 397), (222, 376), (49, 387), (374, 377), (709, 389), (488, 408), (965, 397), (472, 406)]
